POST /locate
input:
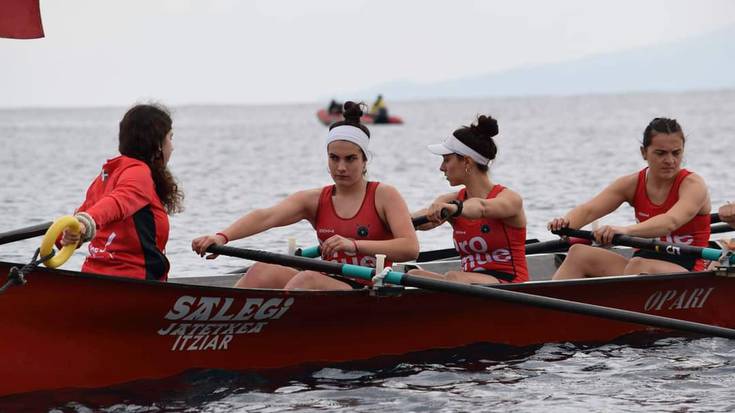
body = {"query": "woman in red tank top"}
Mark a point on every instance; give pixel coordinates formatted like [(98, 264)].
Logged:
[(488, 219), (354, 219), (670, 203)]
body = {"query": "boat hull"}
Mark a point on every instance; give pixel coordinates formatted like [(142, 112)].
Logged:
[(66, 329)]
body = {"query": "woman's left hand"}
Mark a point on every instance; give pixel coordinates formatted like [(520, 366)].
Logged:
[(604, 235), (335, 244)]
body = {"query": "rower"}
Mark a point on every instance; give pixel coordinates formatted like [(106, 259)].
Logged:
[(125, 213), (379, 111), (488, 219), (354, 218), (670, 203)]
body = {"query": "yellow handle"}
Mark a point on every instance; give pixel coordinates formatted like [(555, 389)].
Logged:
[(47, 245)]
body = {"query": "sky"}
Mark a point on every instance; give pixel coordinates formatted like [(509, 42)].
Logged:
[(115, 52)]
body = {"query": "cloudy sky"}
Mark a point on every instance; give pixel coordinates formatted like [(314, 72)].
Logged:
[(113, 52)]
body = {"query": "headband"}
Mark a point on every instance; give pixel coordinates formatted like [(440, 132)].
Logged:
[(454, 145), (351, 134)]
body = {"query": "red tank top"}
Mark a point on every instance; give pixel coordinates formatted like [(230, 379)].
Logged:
[(695, 232), (490, 244), (364, 225)]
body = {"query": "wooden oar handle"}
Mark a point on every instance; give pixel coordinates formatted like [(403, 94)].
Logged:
[(424, 219)]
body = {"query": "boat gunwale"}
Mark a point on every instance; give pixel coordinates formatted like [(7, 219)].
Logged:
[(180, 283)]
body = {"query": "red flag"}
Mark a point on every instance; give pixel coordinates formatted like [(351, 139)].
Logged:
[(20, 19)]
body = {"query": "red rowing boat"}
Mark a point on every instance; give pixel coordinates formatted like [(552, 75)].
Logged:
[(329, 118), (66, 329)]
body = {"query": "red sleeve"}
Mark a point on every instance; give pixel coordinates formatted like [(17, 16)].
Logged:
[(134, 190)]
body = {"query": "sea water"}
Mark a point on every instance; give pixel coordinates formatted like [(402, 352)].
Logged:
[(554, 151)]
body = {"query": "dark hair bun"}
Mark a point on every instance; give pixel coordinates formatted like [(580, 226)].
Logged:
[(486, 126), (352, 112)]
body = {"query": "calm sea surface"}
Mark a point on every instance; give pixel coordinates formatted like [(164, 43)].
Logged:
[(554, 151)]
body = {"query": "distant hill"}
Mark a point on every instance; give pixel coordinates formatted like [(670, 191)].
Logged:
[(702, 62)]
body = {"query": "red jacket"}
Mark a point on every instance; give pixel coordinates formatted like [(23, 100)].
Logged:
[(132, 225)]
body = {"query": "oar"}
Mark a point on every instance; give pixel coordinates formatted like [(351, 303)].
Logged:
[(24, 233), (313, 252), (659, 246), (714, 218), (434, 255), (721, 228), (399, 278)]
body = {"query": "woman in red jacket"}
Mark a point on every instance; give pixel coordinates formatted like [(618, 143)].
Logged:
[(125, 213)]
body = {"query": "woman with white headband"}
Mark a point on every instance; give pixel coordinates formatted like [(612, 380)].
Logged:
[(354, 218), (488, 219)]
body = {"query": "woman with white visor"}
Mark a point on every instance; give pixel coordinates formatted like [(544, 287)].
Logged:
[(488, 219), (354, 218)]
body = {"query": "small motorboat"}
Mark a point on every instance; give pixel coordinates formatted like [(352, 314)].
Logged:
[(328, 118)]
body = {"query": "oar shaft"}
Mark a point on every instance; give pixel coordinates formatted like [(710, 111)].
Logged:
[(721, 228), (651, 244), (714, 218), (24, 233), (399, 278), (566, 306)]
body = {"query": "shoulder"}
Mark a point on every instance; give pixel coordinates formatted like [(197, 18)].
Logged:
[(384, 191), (131, 168), (508, 193), (693, 179), (307, 195), (625, 182), (387, 194)]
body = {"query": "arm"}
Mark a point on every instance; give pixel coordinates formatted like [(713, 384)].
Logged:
[(404, 246), (693, 198), (607, 201), (505, 206), (294, 208), (133, 190), (433, 212)]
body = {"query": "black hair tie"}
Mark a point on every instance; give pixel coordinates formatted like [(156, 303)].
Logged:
[(459, 204)]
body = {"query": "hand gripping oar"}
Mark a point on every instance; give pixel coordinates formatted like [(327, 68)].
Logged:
[(659, 246), (315, 251), (399, 278), (24, 233)]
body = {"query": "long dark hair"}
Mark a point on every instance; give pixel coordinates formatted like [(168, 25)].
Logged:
[(480, 138), (143, 130)]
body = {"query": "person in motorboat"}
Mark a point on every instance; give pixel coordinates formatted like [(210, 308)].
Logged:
[(379, 111), (354, 218), (125, 214), (670, 203), (334, 108), (488, 220)]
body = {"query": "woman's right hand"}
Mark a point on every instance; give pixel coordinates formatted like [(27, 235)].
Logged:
[(557, 224), (200, 244), (73, 238)]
